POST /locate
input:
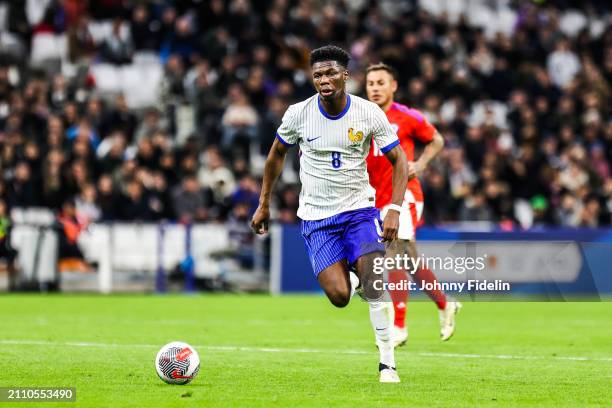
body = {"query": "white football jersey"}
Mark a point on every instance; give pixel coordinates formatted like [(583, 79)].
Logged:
[(333, 151)]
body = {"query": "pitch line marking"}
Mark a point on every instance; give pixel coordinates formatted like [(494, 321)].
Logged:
[(299, 350)]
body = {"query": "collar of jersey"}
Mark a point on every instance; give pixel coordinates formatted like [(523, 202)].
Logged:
[(338, 116)]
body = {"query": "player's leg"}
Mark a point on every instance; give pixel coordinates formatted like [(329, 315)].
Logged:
[(408, 219), (323, 239), (334, 280), (362, 248), (399, 297), (379, 315), (447, 307), (408, 235), (425, 278)]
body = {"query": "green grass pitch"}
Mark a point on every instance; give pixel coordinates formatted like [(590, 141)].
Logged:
[(295, 351)]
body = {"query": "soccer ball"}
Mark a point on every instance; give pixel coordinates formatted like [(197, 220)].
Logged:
[(177, 363)]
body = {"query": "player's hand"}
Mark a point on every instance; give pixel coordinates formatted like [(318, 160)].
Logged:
[(390, 226), (260, 220), (414, 169)]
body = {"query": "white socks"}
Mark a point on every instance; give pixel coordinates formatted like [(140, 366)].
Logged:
[(381, 323)]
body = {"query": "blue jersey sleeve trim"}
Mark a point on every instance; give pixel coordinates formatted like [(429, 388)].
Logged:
[(283, 141), (338, 116), (389, 146)]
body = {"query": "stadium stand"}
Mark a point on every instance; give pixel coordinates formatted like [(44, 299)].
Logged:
[(165, 109)]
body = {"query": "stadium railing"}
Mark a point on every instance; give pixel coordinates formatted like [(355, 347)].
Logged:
[(150, 257)]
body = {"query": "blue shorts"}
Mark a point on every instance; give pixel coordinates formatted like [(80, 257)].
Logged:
[(347, 235)]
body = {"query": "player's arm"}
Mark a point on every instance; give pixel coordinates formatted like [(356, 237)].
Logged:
[(432, 148), (272, 170), (397, 157)]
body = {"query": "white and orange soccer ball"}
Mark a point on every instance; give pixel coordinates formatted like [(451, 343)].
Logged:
[(177, 363)]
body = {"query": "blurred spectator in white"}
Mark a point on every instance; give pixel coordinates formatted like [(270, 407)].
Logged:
[(562, 64), (239, 119), (215, 175), (574, 176), (569, 210), (86, 205)]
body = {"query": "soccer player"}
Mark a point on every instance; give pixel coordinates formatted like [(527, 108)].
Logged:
[(410, 124), (340, 225)]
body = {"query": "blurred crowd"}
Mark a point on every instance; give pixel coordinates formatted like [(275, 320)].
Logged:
[(525, 115)]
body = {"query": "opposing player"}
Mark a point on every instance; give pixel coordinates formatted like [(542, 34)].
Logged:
[(341, 226), (410, 124)]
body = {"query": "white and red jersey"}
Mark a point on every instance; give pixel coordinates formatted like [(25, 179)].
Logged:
[(334, 148), (410, 124)]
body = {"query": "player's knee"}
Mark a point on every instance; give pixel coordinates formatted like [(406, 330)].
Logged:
[(339, 298), (340, 302)]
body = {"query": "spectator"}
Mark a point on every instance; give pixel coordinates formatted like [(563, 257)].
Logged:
[(206, 103), (247, 192), (53, 182), (591, 213), (143, 31), (134, 203), (568, 212), (475, 208), (151, 124), (562, 64), (271, 120), (161, 199), (107, 199), (190, 203), (71, 257), (122, 118), (81, 44), (22, 189), (7, 253), (215, 175), (86, 205), (240, 236), (117, 48), (239, 119)]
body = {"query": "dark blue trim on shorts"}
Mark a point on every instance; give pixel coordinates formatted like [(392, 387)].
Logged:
[(389, 146), (280, 139), (338, 116)]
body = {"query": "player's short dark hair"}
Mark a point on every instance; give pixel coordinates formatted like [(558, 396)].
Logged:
[(330, 53), (381, 66)]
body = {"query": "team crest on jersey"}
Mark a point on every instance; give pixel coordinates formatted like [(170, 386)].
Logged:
[(355, 137)]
